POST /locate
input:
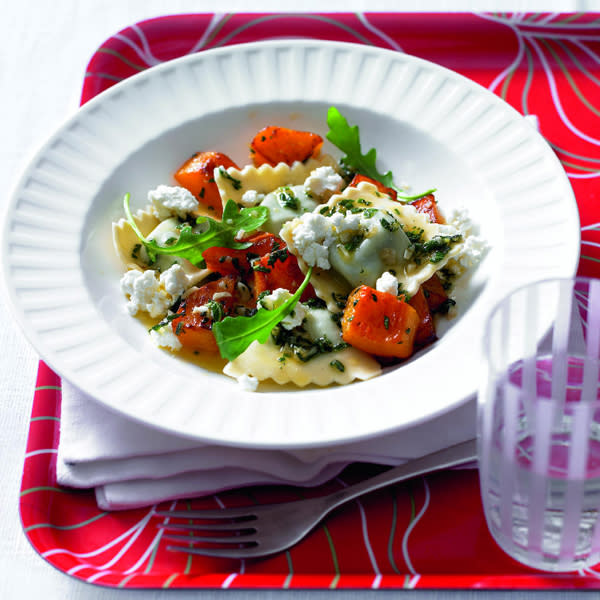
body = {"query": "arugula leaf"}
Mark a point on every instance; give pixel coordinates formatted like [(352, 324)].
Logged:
[(347, 139), (235, 334), (236, 218), (191, 245)]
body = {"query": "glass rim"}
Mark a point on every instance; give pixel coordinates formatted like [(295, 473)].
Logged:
[(485, 342)]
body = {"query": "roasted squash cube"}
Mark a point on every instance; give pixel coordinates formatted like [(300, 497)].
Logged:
[(199, 311), (197, 175), (379, 323), (428, 205), (273, 145)]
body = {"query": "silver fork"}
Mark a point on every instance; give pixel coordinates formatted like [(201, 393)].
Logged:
[(259, 530)]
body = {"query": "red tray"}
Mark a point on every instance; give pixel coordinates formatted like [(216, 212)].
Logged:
[(427, 533)]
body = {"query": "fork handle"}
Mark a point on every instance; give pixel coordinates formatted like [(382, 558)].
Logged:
[(453, 456)]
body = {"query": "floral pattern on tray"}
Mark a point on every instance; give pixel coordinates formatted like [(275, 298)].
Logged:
[(426, 533)]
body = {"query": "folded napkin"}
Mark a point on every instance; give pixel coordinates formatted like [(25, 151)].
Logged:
[(132, 465)]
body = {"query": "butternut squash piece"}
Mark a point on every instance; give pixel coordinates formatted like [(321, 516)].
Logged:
[(382, 188), (231, 261), (428, 205), (273, 145), (279, 269), (194, 327), (426, 330), (379, 323), (436, 295), (197, 175)]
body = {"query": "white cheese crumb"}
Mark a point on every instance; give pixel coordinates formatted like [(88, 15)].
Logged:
[(312, 236), (324, 181), (276, 298), (247, 382), (145, 293), (164, 337), (295, 318), (174, 280), (207, 311), (172, 201), (346, 223), (387, 283), (151, 293), (220, 295), (460, 220), (251, 198), (474, 247), (448, 230)]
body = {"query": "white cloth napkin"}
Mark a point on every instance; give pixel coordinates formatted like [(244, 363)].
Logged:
[(132, 465)]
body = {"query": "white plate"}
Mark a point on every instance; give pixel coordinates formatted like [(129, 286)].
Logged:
[(432, 127)]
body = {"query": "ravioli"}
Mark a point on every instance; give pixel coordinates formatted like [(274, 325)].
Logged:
[(263, 361), (131, 253), (125, 241), (234, 183), (358, 253), (285, 204)]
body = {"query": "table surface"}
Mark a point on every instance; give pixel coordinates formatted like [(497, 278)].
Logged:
[(44, 50)]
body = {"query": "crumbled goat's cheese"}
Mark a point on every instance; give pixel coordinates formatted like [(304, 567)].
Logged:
[(387, 283), (345, 223), (172, 201), (174, 280), (164, 337), (295, 318), (312, 235), (324, 181), (206, 310), (251, 198), (474, 250), (220, 296), (474, 247), (151, 293), (460, 220), (247, 382), (276, 298), (447, 230), (145, 293)]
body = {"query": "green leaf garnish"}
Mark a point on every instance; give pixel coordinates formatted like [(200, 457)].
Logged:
[(235, 334), (347, 139), (191, 245)]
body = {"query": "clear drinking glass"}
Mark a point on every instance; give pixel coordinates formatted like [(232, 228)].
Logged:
[(539, 424)]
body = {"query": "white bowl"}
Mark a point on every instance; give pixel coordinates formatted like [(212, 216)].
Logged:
[(432, 127)]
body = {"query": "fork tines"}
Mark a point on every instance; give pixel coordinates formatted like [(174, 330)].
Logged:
[(231, 527)]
